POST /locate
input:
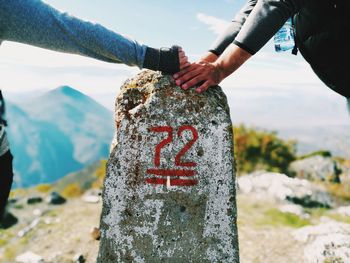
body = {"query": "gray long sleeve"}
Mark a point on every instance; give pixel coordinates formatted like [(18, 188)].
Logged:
[(36, 23), (262, 22), (220, 44)]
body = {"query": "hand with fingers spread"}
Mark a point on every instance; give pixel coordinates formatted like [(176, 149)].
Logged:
[(205, 74), (211, 70)]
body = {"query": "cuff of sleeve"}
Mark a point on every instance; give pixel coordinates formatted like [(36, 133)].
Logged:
[(215, 52), (243, 46), (152, 59)]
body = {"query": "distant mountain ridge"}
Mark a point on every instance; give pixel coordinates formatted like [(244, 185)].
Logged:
[(63, 130), (56, 133)]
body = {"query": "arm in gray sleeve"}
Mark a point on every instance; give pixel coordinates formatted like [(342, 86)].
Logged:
[(36, 23), (264, 21), (233, 29)]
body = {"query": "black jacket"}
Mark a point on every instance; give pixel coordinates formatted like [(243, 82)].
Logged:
[(2, 109), (323, 38), (322, 34)]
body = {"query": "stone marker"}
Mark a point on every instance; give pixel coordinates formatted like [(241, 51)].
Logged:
[(169, 193)]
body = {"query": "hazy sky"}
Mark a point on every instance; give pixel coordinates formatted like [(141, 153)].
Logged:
[(193, 24)]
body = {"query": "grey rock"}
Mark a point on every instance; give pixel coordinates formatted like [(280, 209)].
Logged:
[(326, 242), (55, 199), (283, 188), (34, 200), (93, 199), (164, 201), (79, 258), (92, 196), (8, 220), (316, 168), (343, 210), (29, 227), (29, 257), (293, 209)]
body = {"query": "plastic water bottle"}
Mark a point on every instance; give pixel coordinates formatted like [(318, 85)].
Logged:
[(284, 38)]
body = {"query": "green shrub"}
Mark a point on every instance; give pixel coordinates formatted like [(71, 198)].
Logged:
[(262, 150), (100, 174), (72, 190), (322, 153), (43, 188)]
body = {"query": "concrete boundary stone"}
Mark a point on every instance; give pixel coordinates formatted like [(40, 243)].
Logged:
[(169, 193)]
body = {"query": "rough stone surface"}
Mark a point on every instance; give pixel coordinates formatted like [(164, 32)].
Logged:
[(343, 210), (326, 242), (188, 212), (283, 188), (316, 168)]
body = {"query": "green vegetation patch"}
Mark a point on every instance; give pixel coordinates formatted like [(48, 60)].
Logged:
[(339, 218), (275, 217), (262, 150), (322, 153), (43, 188), (72, 190)]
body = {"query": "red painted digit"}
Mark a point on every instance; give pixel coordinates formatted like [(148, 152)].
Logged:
[(171, 172), (164, 142), (187, 146)]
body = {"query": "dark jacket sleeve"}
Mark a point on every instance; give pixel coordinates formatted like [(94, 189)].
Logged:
[(260, 24), (233, 29)]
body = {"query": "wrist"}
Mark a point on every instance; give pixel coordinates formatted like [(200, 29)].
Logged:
[(221, 72), (209, 57)]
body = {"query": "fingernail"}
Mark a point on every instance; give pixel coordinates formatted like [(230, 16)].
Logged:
[(184, 86), (198, 90), (178, 82), (175, 75)]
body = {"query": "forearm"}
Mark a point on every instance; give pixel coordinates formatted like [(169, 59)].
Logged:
[(264, 21), (225, 39), (35, 23), (232, 58)]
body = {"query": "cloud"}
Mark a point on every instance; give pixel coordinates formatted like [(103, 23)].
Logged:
[(216, 25), (25, 69)]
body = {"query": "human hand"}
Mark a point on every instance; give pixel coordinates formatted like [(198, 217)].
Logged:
[(183, 59), (205, 73)]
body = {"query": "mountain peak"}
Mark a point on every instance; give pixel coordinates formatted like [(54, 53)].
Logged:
[(68, 91)]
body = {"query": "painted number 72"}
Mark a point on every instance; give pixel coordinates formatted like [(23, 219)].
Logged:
[(169, 139)]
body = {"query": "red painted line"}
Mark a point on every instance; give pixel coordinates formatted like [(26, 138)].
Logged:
[(173, 182), (171, 172), (183, 182), (156, 181)]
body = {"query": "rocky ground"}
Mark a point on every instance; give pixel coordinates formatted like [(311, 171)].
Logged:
[(62, 232), (271, 228)]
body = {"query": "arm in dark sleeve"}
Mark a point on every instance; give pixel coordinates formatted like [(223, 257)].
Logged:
[(264, 21), (233, 29)]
